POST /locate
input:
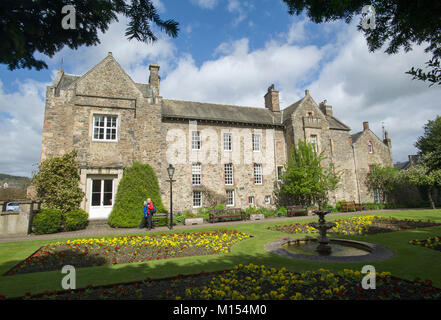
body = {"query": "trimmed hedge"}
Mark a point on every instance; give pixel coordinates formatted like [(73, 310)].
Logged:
[(138, 183), (47, 221), (75, 220)]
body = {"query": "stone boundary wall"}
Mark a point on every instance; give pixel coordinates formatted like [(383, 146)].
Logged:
[(18, 222)]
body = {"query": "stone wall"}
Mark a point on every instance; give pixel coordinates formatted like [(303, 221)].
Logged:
[(212, 159), (18, 222)]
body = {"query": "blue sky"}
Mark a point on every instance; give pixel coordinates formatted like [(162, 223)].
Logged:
[(230, 51)]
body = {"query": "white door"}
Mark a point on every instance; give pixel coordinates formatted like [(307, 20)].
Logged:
[(101, 198)]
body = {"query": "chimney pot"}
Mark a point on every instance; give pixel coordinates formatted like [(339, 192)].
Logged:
[(306, 92)]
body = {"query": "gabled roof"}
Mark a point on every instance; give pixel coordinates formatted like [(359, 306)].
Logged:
[(218, 112)]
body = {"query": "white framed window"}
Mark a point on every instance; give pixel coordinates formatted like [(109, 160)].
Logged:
[(314, 142), (279, 173), (257, 142), (251, 200), (228, 141), (376, 196), (196, 141), (267, 199), (105, 127), (258, 173), (197, 199), (371, 147), (196, 174), (230, 198), (229, 179)]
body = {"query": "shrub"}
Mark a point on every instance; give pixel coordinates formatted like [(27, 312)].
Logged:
[(57, 183), (281, 210), (47, 221), (138, 183), (178, 218), (220, 206), (75, 220), (188, 214)]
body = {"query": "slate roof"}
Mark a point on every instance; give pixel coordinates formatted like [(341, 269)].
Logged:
[(218, 112)]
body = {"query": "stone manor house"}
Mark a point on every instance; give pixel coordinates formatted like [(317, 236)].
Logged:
[(234, 151)]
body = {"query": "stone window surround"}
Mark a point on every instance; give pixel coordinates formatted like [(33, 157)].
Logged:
[(86, 174), (94, 113), (197, 196), (257, 143), (267, 199), (258, 175), (281, 171), (228, 144), (229, 174), (371, 148), (196, 140), (196, 174), (230, 196)]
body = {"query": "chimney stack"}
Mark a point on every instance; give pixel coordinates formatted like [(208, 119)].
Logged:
[(386, 140), (272, 99), (154, 78), (326, 109), (365, 125)]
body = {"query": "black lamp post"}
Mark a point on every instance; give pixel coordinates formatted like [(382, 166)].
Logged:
[(171, 172)]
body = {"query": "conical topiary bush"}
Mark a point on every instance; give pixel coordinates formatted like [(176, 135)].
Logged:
[(138, 183)]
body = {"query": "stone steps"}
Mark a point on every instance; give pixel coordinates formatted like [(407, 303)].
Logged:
[(98, 224)]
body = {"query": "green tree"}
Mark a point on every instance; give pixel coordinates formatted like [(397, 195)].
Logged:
[(383, 179), (28, 26), (398, 23), (429, 144), (305, 180), (57, 183), (138, 183), (421, 175)]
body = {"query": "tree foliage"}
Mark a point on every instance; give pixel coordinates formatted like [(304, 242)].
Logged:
[(398, 24), (383, 179), (421, 175), (429, 144), (57, 183), (29, 27), (305, 180), (138, 183)]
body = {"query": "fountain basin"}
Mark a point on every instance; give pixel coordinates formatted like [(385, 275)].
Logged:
[(342, 250)]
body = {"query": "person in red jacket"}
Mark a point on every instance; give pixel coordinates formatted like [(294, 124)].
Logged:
[(149, 213), (148, 208)]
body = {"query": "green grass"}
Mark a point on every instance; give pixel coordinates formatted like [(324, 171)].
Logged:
[(410, 261)]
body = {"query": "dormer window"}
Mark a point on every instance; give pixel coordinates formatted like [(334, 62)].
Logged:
[(371, 147), (310, 115)]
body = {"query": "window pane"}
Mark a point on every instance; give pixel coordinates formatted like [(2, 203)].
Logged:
[(96, 185)]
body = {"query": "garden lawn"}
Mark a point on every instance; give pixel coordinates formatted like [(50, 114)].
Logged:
[(409, 262)]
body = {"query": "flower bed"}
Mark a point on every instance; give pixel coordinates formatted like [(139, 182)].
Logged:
[(430, 242), (254, 282), (118, 250), (360, 226)]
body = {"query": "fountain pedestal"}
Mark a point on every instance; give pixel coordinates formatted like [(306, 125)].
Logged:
[(323, 247)]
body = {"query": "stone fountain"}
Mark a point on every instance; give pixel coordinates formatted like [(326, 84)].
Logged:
[(323, 247)]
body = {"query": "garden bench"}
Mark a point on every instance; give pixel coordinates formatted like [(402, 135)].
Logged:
[(295, 211), (349, 205), (220, 214), (160, 217)]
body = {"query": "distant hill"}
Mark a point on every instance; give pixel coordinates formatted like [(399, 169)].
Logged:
[(14, 181)]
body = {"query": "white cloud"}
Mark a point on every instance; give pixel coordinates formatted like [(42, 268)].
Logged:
[(205, 4), (239, 76), (240, 8), (22, 127), (364, 86)]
